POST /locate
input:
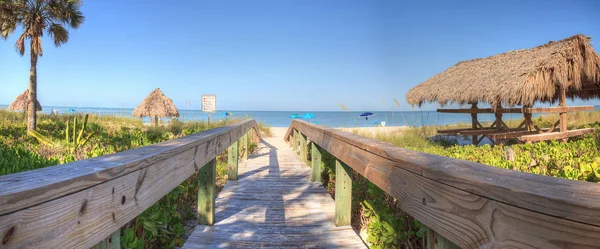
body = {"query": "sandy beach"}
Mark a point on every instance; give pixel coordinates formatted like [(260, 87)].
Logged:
[(374, 130), (361, 130)]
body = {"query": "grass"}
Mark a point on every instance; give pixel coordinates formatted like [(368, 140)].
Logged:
[(264, 129)]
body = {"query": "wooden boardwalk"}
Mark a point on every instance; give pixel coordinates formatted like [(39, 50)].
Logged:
[(274, 205)]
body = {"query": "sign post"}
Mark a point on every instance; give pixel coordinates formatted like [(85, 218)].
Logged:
[(209, 104)]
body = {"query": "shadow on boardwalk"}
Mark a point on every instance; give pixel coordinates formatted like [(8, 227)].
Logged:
[(274, 205)]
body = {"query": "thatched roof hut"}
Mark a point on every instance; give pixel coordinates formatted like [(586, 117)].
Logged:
[(520, 77), (22, 101), (156, 105)]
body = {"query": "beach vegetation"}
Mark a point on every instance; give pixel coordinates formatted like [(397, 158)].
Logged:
[(69, 137), (74, 136), (35, 18)]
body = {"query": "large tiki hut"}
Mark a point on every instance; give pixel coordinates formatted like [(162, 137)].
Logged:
[(22, 102), (156, 105), (513, 82)]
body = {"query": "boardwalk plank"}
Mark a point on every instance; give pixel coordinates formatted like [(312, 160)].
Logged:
[(274, 205)]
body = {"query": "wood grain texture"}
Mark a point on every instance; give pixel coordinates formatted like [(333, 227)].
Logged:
[(233, 161), (472, 130), (316, 161), (274, 205), (244, 141), (436, 241), (512, 134), (471, 204), (302, 143), (556, 135), (207, 192), (112, 242), (79, 204), (295, 141), (522, 110), (343, 194)]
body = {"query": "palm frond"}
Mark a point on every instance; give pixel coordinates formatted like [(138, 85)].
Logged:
[(20, 44), (59, 34), (8, 18), (66, 12), (36, 17)]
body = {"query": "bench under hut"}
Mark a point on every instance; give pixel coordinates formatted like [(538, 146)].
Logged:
[(513, 82)]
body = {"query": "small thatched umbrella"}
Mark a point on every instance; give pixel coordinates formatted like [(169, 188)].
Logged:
[(22, 102), (156, 105)]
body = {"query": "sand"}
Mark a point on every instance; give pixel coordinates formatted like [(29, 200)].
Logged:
[(361, 130), (374, 130)]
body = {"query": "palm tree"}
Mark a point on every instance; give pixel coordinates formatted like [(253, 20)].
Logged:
[(36, 17)]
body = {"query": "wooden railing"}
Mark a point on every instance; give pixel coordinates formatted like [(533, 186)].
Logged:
[(469, 204), (83, 204)]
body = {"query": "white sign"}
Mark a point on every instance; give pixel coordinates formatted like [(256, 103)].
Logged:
[(209, 103)]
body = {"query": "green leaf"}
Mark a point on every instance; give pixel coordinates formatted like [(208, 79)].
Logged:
[(421, 232), (41, 138), (148, 226), (586, 168)]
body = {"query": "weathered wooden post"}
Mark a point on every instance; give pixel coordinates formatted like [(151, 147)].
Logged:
[(563, 114), (207, 182), (436, 241), (498, 114), (474, 121), (343, 194), (112, 242), (254, 135), (232, 161), (315, 163), (303, 151), (295, 140), (527, 116), (244, 142)]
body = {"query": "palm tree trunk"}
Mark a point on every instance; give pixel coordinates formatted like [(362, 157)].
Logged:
[(31, 109)]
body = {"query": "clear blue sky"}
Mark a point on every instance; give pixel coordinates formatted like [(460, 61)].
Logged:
[(280, 55)]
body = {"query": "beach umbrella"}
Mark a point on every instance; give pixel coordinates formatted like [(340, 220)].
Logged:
[(71, 110), (22, 101), (295, 115), (366, 115), (308, 115), (226, 114), (156, 105)]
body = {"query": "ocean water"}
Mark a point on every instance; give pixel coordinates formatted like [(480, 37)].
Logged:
[(330, 119)]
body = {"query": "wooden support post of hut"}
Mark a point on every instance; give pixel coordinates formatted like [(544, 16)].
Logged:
[(571, 69), (474, 122), (563, 115)]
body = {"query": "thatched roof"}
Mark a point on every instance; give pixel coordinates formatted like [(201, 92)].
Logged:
[(156, 105), (21, 102), (520, 77)]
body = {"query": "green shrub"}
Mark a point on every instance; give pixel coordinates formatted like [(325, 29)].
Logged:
[(15, 159)]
